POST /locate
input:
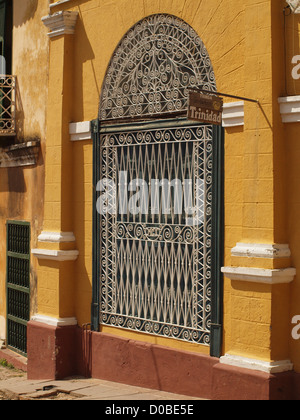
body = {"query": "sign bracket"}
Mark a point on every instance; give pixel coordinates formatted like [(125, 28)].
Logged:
[(210, 92)]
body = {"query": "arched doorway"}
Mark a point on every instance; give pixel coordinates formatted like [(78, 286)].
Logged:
[(157, 228)]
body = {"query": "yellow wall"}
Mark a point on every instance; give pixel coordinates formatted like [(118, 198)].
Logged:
[(56, 286), (22, 189), (245, 43)]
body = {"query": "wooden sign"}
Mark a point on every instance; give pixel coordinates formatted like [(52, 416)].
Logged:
[(205, 108)]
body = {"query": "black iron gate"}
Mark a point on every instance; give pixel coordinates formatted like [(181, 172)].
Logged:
[(18, 285)]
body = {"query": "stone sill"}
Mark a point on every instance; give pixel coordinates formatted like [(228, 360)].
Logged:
[(258, 275), (46, 254), (259, 365), (290, 109), (54, 322)]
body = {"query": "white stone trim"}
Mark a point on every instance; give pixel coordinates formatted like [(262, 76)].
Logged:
[(47, 254), (54, 322), (259, 275), (261, 251), (61, 23), (57, 237), (260, 365), (234, 114), (290, 109), (58, 3), (80, 131)]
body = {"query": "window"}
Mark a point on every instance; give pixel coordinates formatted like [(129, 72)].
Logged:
[(155, 273), (18, 285)]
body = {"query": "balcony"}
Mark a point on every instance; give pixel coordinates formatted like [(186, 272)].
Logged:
[(7, 105), (15, 151)]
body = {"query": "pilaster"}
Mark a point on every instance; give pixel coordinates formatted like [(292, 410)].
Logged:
[(258, 270), (56, 250)]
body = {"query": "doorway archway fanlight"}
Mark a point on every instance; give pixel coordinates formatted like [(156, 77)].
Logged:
[(153, 67)]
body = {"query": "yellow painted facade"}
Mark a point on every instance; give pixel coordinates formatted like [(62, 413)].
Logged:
[(245, 42), (238, 37)]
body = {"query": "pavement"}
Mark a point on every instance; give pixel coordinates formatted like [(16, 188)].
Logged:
[(20, 388)]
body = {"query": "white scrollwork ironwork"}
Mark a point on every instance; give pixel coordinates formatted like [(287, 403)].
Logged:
[(156, 269), (156, 272), (153, 67)]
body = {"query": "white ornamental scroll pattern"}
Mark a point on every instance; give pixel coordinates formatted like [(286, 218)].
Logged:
[(156, 273), (153, 67)]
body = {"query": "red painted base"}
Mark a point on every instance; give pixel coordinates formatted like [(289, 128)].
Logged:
[(151, 366), (51, 351), (55, 353)]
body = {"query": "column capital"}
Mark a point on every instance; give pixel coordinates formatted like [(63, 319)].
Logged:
[(61, 23)]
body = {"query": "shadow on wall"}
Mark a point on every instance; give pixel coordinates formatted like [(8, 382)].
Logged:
[(12, 180), (83, 53), (24, 10), (13, 183)]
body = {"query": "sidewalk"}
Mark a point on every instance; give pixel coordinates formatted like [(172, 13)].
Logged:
[(19, 388)]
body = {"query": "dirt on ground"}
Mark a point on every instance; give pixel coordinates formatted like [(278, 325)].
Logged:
[(9, 372), (6, 373)]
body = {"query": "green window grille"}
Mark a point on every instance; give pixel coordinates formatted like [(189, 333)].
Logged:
[(18, 285)]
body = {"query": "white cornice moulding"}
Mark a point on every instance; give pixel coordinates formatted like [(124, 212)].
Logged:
[(261, 251), (80, 131), (58, 3), (290, 109), (259, 275), (61, 23), (54, 322), (57, 237), (234, 114), (260, 365), (47, 254)]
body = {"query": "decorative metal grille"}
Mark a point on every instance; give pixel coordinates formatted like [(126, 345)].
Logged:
[(7, 105), (152, 68), (18, 285), (156, 267)]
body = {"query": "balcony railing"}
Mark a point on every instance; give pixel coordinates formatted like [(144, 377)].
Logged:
[(7, 105)]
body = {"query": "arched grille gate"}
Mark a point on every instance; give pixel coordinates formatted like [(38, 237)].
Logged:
[(157, 257)]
